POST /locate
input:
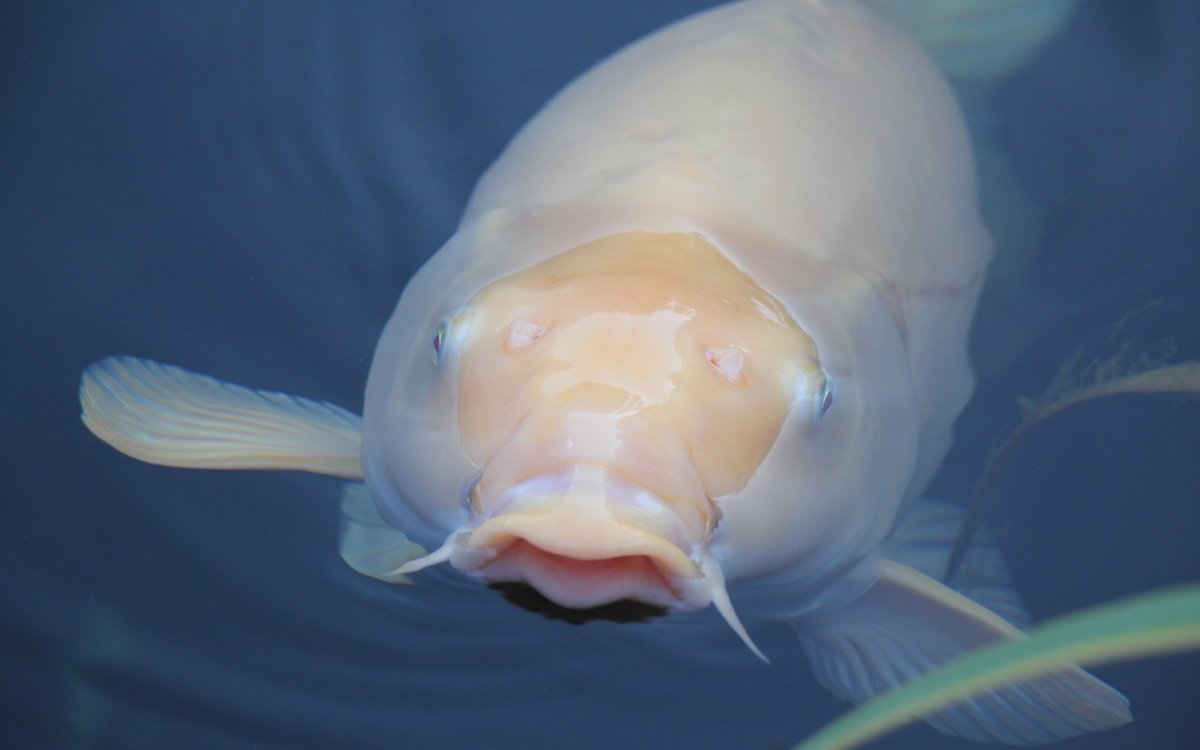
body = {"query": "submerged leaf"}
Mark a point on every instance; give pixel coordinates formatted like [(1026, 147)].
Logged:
[(1119, 374), (1180, 378), (1160, 622)]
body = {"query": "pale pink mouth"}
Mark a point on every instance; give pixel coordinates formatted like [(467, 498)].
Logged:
[(584, 537), (582, 584)]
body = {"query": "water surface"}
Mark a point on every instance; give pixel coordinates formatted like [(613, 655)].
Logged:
[(243, 189)]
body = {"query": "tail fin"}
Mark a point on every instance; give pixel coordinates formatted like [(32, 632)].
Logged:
[(975, 42), (978, 39)]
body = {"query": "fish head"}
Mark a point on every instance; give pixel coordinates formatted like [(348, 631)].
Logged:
[(609, 396)]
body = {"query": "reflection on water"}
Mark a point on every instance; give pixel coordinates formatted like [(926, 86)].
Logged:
[(243, 189)]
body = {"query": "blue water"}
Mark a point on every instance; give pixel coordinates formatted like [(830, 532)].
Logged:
[(243, 189)]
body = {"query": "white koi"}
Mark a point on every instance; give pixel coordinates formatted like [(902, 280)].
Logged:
[(700, 339)]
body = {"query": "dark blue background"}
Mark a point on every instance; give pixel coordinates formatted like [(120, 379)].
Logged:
[(243, 189)]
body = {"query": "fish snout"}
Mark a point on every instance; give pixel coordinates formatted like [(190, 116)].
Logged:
[(584, 537)]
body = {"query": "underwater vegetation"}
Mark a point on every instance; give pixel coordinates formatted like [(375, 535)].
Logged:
[(247, 190), (1121, 373), (1155, 623)]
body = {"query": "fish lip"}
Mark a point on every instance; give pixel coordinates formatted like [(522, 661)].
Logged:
[(583, 520), (571, 581), (688, 575)]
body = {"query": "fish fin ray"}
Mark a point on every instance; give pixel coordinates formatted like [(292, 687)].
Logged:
[(162, 414), (368, 543), (908, 624), (978, 39), (924, 539)]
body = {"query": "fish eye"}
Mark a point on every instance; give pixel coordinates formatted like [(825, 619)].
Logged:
[(439, 341), (826, 400), (451, 330), (815, 395)]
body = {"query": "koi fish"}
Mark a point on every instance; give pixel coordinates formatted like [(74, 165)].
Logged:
[(699, 339)]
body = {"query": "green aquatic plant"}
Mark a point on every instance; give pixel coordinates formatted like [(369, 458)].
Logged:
[(1165, 621), (1122, 373), (1160, 622)]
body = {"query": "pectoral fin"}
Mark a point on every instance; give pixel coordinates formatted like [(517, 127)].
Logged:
[(908, 623), (368, 543), (923, 541), (166, 415)]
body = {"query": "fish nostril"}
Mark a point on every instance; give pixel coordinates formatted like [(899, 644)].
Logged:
[(729, 362), (523, 333)]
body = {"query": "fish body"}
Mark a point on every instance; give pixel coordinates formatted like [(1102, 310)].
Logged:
[(699, 339), (822, 155)]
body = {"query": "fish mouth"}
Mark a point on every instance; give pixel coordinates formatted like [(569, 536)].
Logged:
[(584, 537), (582, 584)]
